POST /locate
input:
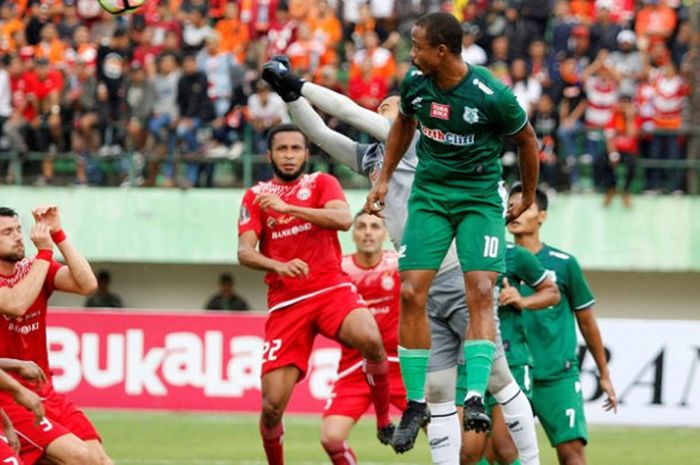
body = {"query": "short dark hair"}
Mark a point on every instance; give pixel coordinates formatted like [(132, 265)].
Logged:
[(391, 93), (8, 212), (226, 278), (442, 29), (104, 276), (287, 127), (541, 198)]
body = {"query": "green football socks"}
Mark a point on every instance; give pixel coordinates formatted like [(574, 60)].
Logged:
[(483, 461), (478, 356), (414, 366)]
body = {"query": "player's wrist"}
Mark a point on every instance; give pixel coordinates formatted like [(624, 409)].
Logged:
[(45, 254), (58, 236)]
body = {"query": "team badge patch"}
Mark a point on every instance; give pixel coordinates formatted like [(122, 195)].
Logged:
[(387, 283), (244, 217), (304, 193), (439, 111), (471, 115)]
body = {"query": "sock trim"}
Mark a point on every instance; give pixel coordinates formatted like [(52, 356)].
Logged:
[(512, 398), (443, 415), (404, 352), (471, 342)]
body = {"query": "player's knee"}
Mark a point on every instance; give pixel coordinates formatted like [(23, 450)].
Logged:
[(330, 439), (571, 453), (481, 290), (101, 459), (272, 411), (505, 453), (411, 296), (76, 455)]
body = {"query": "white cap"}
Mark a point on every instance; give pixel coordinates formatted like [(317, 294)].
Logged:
[(626, 36)]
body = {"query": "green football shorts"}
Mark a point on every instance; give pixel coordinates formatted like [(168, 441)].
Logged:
[(476, 223), (559, 406)]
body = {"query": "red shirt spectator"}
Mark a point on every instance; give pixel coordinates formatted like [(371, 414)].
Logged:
[(367, 90), (670, 91)]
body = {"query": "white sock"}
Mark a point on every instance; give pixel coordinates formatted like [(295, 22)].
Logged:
[(444, 433), (520, 420)]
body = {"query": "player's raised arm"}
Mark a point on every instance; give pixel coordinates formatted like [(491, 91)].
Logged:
[(398, 141), (526, 141), (16, 300), (546, 294), (77, 276)]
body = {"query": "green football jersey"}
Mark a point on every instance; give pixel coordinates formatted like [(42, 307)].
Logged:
[(461, 128), (521, 268), (552, 331)]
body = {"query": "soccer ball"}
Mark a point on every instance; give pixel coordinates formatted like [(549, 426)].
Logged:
[(120, 7)]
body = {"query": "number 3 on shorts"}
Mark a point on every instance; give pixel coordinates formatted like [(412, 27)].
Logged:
[(490, 246), (270, 349)]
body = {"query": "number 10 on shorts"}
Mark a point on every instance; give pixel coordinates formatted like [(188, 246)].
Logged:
[(490, 246)]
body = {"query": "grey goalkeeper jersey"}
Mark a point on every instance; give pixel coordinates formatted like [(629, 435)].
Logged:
[(370, 159)]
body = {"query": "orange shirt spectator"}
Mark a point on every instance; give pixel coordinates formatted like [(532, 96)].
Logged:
[(306, 52), (10, 24), (583, 10), (655, 20), (328, 28), (383, 63), (234, 34), (50, 46)]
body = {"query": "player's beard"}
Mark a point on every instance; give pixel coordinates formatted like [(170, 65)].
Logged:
[(13, 257), (288, 177)]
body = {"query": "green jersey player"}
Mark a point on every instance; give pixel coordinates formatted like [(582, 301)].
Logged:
[(463, 112), (556, 393)]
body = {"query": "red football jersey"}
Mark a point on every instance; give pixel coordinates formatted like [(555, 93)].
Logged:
[(284, 237), (24, 338), (379, 287)]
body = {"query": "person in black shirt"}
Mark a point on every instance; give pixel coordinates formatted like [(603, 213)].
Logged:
[(226, 298), (103, 298)]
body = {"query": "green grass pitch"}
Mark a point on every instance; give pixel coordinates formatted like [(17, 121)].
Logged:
[(145, 438)]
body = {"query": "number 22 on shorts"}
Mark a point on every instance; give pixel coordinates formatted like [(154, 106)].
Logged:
[(490, 246), (270, 349)]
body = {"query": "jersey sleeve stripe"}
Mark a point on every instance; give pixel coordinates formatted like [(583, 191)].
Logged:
[(542, 278), (586, 305), (519, 128)]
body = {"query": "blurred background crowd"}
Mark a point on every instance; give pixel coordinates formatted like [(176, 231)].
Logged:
[(171, 95)]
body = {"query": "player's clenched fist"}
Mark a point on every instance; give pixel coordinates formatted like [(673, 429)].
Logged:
[(41, 236), (294, 268), (375, 199), (273, 202), (48, 214)]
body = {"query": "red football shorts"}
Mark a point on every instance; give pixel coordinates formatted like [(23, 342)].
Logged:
[(62, 417), (290, 331), (7, 455), (351, 396)]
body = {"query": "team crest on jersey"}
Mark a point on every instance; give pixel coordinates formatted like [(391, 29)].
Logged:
[(304, 193), (244, 217), (271, 222), (387, 283), (471, 115), (440, 111)]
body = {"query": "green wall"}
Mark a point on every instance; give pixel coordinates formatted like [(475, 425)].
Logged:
[(199, 226)]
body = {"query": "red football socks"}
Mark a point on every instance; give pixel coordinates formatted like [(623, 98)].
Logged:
[(272, 442), (339, 452), (378, 380)]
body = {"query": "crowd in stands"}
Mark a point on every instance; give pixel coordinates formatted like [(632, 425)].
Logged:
[(605, 82)]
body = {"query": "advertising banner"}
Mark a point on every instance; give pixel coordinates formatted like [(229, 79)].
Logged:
[(211, 362)]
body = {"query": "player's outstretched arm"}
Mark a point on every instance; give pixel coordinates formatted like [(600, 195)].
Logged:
[(23, 396), (346, 110), (16, 300), (24, 368), (249, 256), (526, 141), (77, 277), (338, 146), (335, 214), (591, 334), (546, 294), (398, 141)]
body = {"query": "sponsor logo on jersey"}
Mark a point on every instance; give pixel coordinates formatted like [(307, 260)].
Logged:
[(471, 115), (482, 87), (440, 111), (449, 138), (304, 193), (271, 223), (244, 216), (293, 231)]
